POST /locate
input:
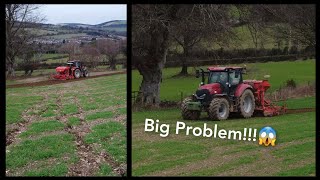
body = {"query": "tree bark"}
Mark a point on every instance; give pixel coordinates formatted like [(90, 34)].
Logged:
[(150, 67), (11, 72), (150, 85), (184, 69)]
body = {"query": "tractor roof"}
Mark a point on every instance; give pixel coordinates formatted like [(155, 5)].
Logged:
[(73, 61), (223, 68)]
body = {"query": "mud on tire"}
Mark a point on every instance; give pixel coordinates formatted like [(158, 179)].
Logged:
[(189, 114), (219, 109), (247, 103)]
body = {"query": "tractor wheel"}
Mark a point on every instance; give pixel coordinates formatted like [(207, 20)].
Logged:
[(219, 109), (189, 114), (247, 104), (85, 74), (77, 73)]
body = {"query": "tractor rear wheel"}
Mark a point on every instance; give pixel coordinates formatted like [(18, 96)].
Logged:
[(247, 104), (219, 109), (85, 73), (77, 73), (189, 114)]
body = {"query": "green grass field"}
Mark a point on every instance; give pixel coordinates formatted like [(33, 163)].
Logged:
[(188, 155), (56, 132), (171, 88)]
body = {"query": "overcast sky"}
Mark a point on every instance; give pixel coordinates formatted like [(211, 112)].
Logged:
[(85, 13)]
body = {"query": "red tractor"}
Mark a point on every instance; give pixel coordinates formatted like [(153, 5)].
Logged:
[(227, 92), (73, 70)]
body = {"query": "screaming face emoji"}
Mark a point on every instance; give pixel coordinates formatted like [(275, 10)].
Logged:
[(267, 135)]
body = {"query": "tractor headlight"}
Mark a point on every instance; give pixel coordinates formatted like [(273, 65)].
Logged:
[(215, 91)]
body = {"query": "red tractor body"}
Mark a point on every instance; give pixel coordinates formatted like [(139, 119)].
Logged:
[(73, 70), (227, 92), (262, 104)]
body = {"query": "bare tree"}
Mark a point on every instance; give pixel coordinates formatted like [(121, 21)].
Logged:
[(152, 27), (18, 17), (301, 21), (71, 48), (30, 57), (90, 54), (190, 30), (123, 50), (255, 18), (110, 48)]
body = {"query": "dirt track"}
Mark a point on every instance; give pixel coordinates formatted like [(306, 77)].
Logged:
[(300, 110), (51, 82)]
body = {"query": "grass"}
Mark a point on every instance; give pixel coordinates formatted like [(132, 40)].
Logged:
[(105, 170), (45, 126), (74, 121), (176, 154), (16, 105), (307, 102), (56, 170), (301, 171), (106, 114), (46, 147), (171, 88), (112, 137), (43, 148), (37, 72), (52, 107), (70, 108)]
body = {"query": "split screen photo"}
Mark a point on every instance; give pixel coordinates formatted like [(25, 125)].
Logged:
[(130, 90)]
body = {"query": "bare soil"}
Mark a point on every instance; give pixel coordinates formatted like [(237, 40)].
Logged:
[(43, 81)]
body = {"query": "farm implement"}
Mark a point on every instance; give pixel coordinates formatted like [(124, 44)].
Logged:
[(227, 92), (73, 70)]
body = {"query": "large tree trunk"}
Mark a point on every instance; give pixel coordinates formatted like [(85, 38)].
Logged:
[(150, 67), (184, 59), (150, 86), (11, 72)]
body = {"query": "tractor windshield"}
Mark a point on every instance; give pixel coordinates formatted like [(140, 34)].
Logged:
[(218, 76)]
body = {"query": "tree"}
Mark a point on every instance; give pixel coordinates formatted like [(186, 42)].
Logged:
[(30, 58), (190, 30), (152, 26), (255, 18), (300, 20), (18, 17), (123, 50), (71, 48), (90, 54), (110, 48)]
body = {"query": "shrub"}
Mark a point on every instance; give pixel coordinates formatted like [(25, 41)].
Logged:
[(291, 83)]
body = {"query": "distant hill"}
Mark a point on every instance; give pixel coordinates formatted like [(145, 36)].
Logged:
[(115, 23), (109, 24)]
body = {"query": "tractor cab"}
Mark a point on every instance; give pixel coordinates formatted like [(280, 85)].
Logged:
[(76, 64), (221, 80)]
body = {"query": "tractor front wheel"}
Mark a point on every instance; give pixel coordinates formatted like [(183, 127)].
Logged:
[(77, 73), (219, 109), (247, 104), (186, 113)]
